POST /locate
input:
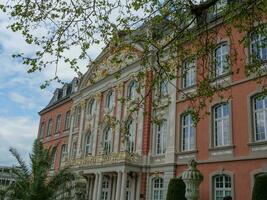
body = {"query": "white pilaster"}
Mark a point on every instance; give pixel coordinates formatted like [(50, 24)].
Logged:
[(113, 185), (95, 130), (123, 185), (170, 143), (138, 186), (71, 131), (118, 186), (80, 136), (95, 186), (133, 188), (117, 137), (99, 188)]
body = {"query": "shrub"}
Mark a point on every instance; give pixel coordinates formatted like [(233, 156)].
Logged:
[(176, 189), (260, 188)]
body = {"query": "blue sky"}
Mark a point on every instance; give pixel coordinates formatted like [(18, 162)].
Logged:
[(20, 95)]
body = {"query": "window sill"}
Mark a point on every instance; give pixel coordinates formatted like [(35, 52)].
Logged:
[(189, 88), (219, 148), (258, 146), (221, 151), (187, 152)]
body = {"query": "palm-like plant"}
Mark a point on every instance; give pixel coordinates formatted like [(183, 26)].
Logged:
[(35, 182)]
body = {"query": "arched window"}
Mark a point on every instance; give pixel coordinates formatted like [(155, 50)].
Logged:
[(161, 131), (222, 186), (221, 125), (130, 137), (88, 144), (53, 158), (91, 106), (64, 153), (188, 133), (157, 189), (260, 118), (73, 149), (109, 99), (107, 140), (189, 74), (132, 90)]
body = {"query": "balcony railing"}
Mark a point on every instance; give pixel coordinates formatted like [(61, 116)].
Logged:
[(112, 158)]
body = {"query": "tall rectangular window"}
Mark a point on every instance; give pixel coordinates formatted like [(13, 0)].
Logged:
[(67, 120), (221, 65), (161, 131), (258, 46), (49, 128), (260, 118), (58, 123), (188, 133), (41, 134), (64, 153), (221, 125), (189, 74)]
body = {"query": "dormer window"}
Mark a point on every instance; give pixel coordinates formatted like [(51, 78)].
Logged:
[(220, 5), (65, 89), (109, 99), (56, 95), (132, 90)]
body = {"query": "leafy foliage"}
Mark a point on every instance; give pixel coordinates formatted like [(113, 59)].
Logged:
[(180, 29), (260, 188), (176, 189), (36, 182)]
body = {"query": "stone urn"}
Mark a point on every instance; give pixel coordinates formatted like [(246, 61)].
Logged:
[(192, 179)]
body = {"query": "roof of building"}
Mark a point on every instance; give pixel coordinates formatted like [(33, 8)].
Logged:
[(61, 94)]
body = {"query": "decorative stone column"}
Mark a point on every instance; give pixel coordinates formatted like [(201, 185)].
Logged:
[(123, 185), (192, 179), (95, 186), (71, 131), (118, 185), (96, 125), (80, 135)]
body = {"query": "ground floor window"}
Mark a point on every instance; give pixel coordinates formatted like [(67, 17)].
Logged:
[(128, 190), (222, 186), (105, 189), (157, 189)]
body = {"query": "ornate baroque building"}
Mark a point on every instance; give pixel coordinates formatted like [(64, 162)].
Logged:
[(124, 155)]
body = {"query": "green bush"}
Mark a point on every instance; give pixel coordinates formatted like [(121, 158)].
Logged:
[(176, 189), (260, 188)]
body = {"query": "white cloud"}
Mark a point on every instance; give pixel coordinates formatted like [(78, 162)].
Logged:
[(18, 132), (25, 102)]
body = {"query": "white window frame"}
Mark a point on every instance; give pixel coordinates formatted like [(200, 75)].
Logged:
[(221, 121), (263, 113), (158, 189), (130, 137), (221, 66), (188, 74), (73, 149), (188, 133), (88, 144), (128, 189), (107, 140), (259, 42), (49, 128), (131, 92), (109, 100), (160, 139), (163, 88), (225, 191), (67, 120), (64, 153), (42, 128), (53, 158), (91, 107), (105, 193), (58, 123)]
